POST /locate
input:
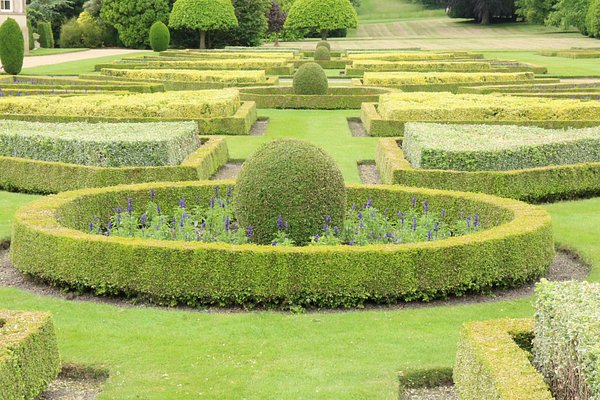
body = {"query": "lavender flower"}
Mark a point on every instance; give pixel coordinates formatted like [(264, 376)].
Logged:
[(229, 188), (317, 237), (182, 203), (328, 219), (144, 219), (280, 223), (469, 222), (425, 206), (227, 221), (152, 193), (414, 201), (129, 205), (249, 231), (91, 225), (336, 230), (414, 224), (429, 236), (369, 203)]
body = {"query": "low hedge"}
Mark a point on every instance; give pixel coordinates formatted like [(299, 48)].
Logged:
[(533, 185), (399, 79), (35, 83), (419, 66), (491, 365), (230, 77), (271, 66), (572, 53), (336, 98), (497, 148), (221, 54), (532, 88), (325, 64), (100, 145), (567, 334), (49, 242), (562, 95), (413, 56), (43, 177), (29, 358)]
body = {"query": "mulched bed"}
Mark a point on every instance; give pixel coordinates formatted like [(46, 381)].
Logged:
[(75, 383), (566, 266), (357, 128)]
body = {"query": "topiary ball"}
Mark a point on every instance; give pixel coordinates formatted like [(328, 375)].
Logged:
[(324, 43), (160, 37), (322, 54), (310, 79), (293, 179), (12, 47)]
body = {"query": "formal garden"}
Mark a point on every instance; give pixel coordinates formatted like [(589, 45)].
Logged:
[(294, 216)]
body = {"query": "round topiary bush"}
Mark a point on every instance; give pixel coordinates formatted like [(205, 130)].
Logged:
[(324, 43), (322, 54), (310, 79), (12, 47), (294, 180), (160, 37)]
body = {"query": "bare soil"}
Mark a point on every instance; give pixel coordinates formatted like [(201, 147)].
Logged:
[(357, 128), (75, 383)]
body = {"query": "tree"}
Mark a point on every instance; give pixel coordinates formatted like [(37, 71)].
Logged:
[(276, 19), (12, 47), (252, 24), (133, 18), (322, 15), (30, 35), (535, 11), (46, 35), (593, 19), (203, 15), (570, 13), (483, 11)]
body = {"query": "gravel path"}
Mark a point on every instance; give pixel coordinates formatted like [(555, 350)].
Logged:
[(38, 61)]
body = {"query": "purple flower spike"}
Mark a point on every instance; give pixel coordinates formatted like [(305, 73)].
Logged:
[(229, 188), (152, 193), (217, 191), (227, 223), (129, 205), (144, 218), (280, 222), (414, 201), (325, 227), (212, 202), (336, 230), (317, 237), (443, 212), (249, 231), (425, 206), (369, 203), (91, 225), (476, 222), (469, 222), (328, 219), (182, 203), (429, 236), (414, 224), (360, 215)]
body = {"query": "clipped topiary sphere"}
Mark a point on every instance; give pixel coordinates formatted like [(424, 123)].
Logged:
[(293, 179), (160, 37), (324, 43), (12, 47), (322, 54), (310, 79)]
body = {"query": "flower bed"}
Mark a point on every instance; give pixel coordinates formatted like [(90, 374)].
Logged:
[(534, 185), (215, 111), (32, 176), (337, 97), (29, 358), (48, 242), (491, 364), (497, 148)]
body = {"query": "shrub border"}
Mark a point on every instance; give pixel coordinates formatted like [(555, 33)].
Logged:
[(43, 177), (491, 365), (29, 358), (222, 274), (534, 185), (452, 87)]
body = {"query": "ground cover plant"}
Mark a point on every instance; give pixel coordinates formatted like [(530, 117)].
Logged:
[(494, 148)]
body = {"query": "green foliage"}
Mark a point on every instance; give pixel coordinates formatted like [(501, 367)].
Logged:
[(496, 147), (323, 43), (203, 15), (310, 79), (129, 144), (29, 358), (92, 31), (30, 35), (593, 19), (568, 13), (252, 28), (314, 276), (160, 37), (490, 364), (70, 34), (567, 333), (483, 11), (133, 19), (322, 54), (45, 177), (321, 15), (535, 11), (294, 180), (12, 47), (46, 35)]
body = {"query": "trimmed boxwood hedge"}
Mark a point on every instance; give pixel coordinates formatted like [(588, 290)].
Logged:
[(42, 83), (491, 365), (32, 176), (49, 241), (533, 185), (29, 358), (342, 98)]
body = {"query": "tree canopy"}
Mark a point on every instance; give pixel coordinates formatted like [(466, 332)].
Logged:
[(322, 15), (203, 15)]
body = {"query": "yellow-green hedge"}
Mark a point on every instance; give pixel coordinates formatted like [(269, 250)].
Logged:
[(214, 55), (437, 78), (32, 176), (443, 107), (61, 83), (517, 247), (420, 66), (29, 358), (170, 105), (490, 364), (221, 64), (185, 75), (413, 56), (534, 185)]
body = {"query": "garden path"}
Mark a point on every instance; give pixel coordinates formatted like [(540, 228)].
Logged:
[(81, 55)]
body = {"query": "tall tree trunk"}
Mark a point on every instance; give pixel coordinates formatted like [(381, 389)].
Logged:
[(276, 39), (202, 40), (323, 34), (486, 18)]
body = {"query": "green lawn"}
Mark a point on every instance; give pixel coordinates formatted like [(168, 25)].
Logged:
[(385, 10), (48, 52), (327, 129), (168, 354), (556, 65), (9, 203), (75, 67)]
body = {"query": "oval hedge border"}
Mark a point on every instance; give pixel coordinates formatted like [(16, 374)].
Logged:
[(45, 177), (534, 185), (50, 242)]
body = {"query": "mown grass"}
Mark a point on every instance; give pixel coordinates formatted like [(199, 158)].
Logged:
[(48, 52), (9, 203), (77, 67), (560, 66), (384, 10)]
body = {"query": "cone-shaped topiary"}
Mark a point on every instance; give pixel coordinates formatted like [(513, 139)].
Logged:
[(322, 54), (160, 37), (324, 43), (321, 15), (30, 38), (294, 180), (310, 79), (12, 47), (46, 35)]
